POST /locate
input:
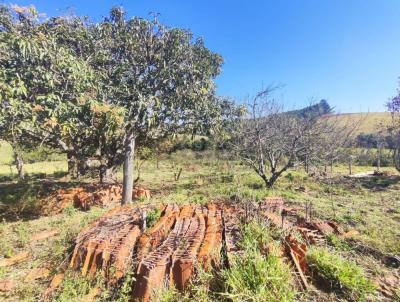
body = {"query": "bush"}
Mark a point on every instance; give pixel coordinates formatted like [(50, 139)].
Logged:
[(152, 217), (342, 275), (73, 288)]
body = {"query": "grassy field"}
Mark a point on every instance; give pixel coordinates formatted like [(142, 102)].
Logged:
[(371, 206), (368, 123)]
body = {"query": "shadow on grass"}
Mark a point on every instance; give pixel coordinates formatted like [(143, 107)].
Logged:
[(373, 183), (379, 182), (20, 200)]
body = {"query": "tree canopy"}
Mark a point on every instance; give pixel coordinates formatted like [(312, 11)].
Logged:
[(97, 89)]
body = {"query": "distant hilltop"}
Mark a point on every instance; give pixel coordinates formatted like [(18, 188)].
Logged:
[(368, 123)]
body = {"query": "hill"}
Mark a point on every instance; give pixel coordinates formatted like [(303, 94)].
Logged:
[(369, 123)]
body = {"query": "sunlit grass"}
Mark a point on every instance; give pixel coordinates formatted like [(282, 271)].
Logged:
[(344, 276)]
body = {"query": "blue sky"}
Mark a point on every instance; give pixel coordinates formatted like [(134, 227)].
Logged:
[(347, 52)]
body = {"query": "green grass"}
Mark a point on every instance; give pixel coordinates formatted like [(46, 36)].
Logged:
[(53, 163), (204, 287), (73, 288), (256, 275), (43, 168), (152, 217), (342, 275), (368, 205), (6, 154)]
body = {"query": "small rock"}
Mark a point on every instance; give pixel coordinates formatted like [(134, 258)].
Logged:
[(7, 285), (37, 273), (351, 233), (44, 235), (54, 284), (15, 259)]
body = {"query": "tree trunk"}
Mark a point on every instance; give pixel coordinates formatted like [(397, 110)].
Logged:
[(107, 174), (378, 164), (271, 181), (81, 164), (73, 170), (307, 165), (350, 166), (396, 158), (128, 170), (19, 162)]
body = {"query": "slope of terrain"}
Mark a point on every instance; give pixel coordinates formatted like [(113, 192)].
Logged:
[(367, 123)]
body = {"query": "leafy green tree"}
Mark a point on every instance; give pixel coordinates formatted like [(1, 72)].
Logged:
[(49, 95), (162, 79), (101, 89)]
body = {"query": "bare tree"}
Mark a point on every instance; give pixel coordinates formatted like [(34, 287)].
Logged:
[(337, 144), (394, 128), (271, 141)]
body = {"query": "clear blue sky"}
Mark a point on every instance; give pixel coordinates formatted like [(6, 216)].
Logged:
[(347, 51)]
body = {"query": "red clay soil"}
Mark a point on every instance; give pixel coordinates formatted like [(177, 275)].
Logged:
[(21, 257), (7, 285), (44, 235)]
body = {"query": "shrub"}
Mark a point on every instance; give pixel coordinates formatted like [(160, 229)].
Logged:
[(342, 275), (152, 217), (73, 288)]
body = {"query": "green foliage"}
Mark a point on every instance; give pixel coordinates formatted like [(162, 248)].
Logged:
[(82, 88), (152, 217), (255, 276), (204, 287), (120, 293), (70, 210), (338, 242), (23, 233), (315, 110), (342, 275), (73, 288)]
